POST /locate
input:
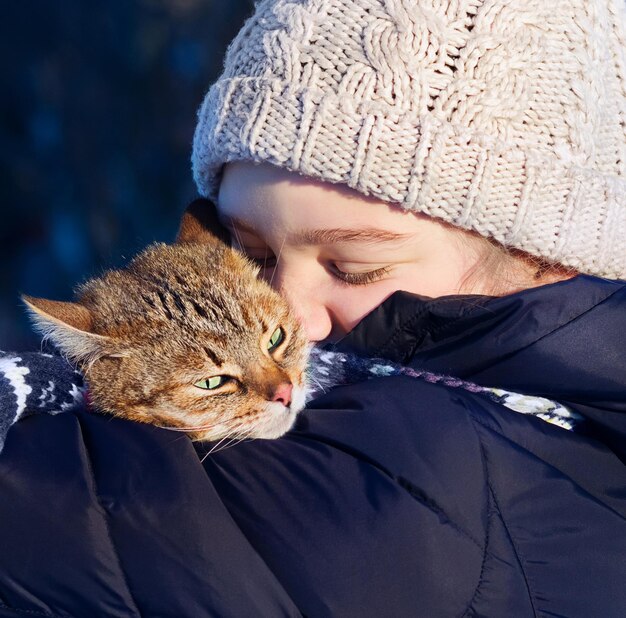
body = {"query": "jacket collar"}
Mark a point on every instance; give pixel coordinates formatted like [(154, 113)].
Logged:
[(565, 341), (541, 340)]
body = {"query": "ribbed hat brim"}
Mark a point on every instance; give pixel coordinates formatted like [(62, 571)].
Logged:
[(531, 200)]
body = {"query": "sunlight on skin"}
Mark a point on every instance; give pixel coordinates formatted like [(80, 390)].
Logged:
[(322, 270)]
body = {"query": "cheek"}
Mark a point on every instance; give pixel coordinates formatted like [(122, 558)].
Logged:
[(433, 277), (352, 303)]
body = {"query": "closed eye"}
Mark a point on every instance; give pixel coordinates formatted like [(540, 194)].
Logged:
[(265, 259), (268, 261), (261, 256), (351, 278), (360, 278)]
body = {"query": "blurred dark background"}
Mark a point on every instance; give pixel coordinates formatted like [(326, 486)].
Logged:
[(99, 101)]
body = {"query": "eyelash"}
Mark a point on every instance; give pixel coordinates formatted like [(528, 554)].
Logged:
[(361, 278), (347, 278)]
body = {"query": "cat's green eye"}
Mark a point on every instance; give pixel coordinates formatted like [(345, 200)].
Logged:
[(210, 384), (276, 339)]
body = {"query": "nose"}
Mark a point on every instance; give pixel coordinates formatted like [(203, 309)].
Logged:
[(282, 394), (315, 319), (307, 302)]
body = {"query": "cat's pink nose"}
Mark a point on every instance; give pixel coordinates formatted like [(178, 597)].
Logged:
[(282, 394)]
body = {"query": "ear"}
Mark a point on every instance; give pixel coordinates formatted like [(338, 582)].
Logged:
[(69, 326), (201, 224)]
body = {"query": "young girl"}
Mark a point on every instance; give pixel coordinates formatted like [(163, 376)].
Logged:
[(437, 183)]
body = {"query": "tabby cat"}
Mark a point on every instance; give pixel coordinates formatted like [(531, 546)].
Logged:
[(186, 336)]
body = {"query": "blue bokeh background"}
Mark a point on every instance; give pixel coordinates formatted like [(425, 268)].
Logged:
[(99, 101)]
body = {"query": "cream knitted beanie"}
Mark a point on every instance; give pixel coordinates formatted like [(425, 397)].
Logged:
[(507, 117)]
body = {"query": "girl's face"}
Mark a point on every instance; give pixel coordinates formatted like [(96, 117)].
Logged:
[(333, 252)]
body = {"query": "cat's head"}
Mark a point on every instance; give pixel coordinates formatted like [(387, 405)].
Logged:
[(186, 336)]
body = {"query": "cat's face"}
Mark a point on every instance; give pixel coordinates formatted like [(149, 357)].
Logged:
[(186, 337), (229, 361)]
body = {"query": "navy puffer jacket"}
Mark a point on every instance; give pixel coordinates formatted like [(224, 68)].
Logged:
[(392, 498)]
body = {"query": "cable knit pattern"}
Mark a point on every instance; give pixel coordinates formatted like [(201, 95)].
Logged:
[(507, 117)]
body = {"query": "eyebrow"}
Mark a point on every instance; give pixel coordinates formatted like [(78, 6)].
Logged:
[(330, 235)]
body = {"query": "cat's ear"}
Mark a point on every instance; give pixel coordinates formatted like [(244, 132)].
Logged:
[(201, 223), (69, 326)]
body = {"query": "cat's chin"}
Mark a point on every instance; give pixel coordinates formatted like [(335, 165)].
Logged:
[(298, 398), (278, 419), (275, 420)]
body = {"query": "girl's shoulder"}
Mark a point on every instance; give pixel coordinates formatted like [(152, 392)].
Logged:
[(408, 479)]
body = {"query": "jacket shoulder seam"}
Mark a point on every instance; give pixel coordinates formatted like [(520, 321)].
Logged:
[(406, 485), (518, 555), (419, 496), (544, 462), (481, 575), (493, 496), (105, 518)]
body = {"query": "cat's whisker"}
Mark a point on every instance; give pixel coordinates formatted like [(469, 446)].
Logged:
[(321, 389), (278, 259), (319, 384), (177, 438), (215, 446), (230, 443), (190, 428), (181, 429), (241, 428), (233, 442), (237, 237), (170, 428)]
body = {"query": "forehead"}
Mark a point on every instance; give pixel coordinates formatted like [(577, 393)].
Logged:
[(267, 197), (217, 326)]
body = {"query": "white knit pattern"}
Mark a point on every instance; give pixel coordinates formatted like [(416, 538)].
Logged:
[(16, 375), (507, 117)]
